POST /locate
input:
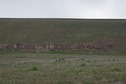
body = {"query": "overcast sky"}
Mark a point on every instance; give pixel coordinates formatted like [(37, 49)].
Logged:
[(63, 9)]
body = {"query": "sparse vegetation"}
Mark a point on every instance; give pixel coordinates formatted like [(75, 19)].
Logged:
[(42, 68)]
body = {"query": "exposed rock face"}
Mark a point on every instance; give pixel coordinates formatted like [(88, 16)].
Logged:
[(45, 47)]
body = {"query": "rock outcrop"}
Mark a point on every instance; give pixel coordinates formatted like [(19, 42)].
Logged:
[(45, 47)]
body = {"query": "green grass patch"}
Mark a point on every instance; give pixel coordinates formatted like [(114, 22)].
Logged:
[(115, 69)]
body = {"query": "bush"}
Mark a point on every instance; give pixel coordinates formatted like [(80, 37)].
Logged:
[(62, 59), (115, 69), (34, 68), (83, 65)]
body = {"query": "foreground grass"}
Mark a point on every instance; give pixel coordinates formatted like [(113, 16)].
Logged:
[(62, 69)]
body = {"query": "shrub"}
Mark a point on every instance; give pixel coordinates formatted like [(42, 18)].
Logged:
[(115, 69), (34, 68), (83, 65), (62, 59)]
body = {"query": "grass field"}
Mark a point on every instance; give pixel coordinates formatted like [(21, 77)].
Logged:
[(63, 67), (27, 68), (64, 31)]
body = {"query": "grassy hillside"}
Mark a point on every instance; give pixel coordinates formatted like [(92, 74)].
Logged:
[(63, 31)]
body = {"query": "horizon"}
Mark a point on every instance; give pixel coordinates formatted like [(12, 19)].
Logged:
[(54, 18)]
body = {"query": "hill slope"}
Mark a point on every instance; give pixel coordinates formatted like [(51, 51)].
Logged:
[(72, 31)]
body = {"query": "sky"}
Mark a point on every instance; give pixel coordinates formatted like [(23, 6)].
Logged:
[(63, 9)]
